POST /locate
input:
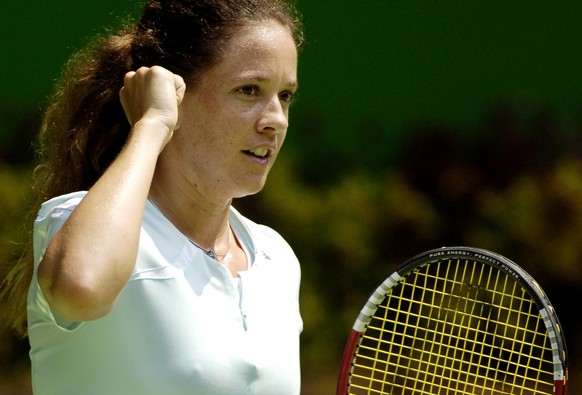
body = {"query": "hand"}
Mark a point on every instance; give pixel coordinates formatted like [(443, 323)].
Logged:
[(153, 94)]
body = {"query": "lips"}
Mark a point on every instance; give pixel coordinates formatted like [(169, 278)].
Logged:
[(261, 152)]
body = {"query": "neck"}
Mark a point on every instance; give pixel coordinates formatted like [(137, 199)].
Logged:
[(203, 223)]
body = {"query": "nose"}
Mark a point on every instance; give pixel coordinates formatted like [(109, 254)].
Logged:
[(274, 117)]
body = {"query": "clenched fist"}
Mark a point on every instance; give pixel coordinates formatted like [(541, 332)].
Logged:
[(153, 94)]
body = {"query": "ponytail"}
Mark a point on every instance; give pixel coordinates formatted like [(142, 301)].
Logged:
[(82, 132)]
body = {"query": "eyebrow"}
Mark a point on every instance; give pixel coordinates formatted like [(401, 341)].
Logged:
[(258, 78)]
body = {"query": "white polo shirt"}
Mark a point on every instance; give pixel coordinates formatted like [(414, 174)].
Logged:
[(182, 325)]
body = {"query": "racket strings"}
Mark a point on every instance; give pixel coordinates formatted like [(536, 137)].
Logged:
[(455, 327)]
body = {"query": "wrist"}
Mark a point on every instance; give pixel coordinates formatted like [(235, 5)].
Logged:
[(153, 131)]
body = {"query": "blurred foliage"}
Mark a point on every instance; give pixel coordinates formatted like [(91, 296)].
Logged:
[(513, 184), (15, 194)]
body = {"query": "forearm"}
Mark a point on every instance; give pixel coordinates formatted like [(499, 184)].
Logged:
[(89, 261)]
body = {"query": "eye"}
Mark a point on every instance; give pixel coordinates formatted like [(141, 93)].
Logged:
[(287, 96), (249, 90)]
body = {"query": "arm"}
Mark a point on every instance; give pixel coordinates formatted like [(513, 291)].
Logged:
[(90, 259)]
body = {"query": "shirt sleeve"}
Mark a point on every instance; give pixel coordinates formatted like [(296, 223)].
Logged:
[(51, 217)]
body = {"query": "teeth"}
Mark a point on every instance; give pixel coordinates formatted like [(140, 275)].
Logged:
[(261, 152)]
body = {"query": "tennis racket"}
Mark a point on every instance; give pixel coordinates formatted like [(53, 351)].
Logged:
[(456, 321)]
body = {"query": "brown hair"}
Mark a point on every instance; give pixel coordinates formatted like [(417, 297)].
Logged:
[(84, 128)]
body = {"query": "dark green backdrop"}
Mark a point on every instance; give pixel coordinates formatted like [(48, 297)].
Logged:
[(370, 67)]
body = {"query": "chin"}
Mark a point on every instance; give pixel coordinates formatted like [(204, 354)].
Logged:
[(250, 190), (249, 193)]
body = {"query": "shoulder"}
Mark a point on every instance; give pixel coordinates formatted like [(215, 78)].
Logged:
[(262, 235), (50, 218), (63, 203), (271, 251)]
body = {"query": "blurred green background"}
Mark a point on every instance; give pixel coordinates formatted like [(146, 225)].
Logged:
[(418, 124)]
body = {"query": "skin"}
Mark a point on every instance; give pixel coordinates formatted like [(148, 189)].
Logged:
[(191, 151)]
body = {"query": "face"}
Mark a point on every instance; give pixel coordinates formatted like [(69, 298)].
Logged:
[(233, 122)]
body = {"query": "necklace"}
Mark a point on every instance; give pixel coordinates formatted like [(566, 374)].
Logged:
[(207, 251), (211, 253)]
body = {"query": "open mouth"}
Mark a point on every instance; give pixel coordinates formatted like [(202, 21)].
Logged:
[(260, 152)]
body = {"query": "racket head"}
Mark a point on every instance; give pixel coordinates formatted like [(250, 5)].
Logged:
[(456, 320)]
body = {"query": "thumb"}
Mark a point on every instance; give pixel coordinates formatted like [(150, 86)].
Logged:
[(180, 87)]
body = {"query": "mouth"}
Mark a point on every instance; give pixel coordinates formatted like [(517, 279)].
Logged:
[(259, 152)]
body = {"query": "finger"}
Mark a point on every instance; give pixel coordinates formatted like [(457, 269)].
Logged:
[(180, 87), (124, 105), (128, 76)]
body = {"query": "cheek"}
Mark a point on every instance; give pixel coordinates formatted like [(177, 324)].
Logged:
[(213, 127), (194, 125), (282, 137)]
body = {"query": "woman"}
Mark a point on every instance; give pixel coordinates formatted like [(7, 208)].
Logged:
[(150, 282)]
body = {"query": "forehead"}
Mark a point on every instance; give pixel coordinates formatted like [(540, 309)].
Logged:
[(260, 36), (266, 46)]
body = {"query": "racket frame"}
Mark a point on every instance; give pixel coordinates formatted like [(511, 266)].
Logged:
[(505, 265)]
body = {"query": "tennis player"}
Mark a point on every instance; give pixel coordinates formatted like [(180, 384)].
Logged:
[(146, 280)]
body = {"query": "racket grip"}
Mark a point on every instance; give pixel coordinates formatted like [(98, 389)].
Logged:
[(346, 365)]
